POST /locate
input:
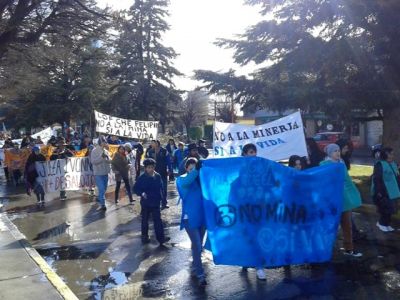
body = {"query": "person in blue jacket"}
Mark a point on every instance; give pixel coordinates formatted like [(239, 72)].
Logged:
[(149, 187), (192, 218)]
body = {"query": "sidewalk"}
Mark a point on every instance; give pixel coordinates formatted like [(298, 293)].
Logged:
[(23, 273)]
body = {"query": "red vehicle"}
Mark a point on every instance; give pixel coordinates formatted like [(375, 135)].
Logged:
[(325, 138)]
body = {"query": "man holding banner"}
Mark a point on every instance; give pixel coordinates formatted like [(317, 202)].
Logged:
[(101, 161)]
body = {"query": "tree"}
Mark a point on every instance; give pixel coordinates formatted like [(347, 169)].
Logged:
[(69, 79), (226, 113), (24, 22), (194, 109), (335, 56), (145, 69)]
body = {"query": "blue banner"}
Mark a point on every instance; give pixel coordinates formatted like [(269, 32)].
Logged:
[(260, 213)]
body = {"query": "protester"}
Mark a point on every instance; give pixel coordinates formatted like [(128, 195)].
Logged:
[(8, 144), (250, 150), (315, 155), (121, 167), (39, 141), (296, 162), (192, 218), (386, 188), (171, 147), (100, 159), (149, 187), (139, 153), (345, 151), (26, 141), (192, 152), (351, 200), (179, 155), (203, 152), (52, 141), (86, 143), (114, 140), (131, 157), (31, 175), (163, 166), (61, 152), (76, 141), (90, 148), (17, 167)]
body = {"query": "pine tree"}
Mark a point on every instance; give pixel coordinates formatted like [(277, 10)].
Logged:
[(335, 56), (145, 69)]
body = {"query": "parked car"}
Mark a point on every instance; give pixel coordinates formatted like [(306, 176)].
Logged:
[(323, 139)]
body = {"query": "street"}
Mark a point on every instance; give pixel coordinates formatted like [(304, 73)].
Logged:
[(100, 256)]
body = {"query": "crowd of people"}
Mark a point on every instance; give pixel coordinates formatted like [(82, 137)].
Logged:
[(149, 179), (385, 191)]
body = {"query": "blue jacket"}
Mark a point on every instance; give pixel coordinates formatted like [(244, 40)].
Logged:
[(192, 199), (179, 156), (152, 186), (163, 160)]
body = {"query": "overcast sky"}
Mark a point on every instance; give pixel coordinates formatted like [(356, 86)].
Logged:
[(195, 25)]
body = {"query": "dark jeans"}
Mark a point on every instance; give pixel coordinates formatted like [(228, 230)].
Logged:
[(386, 208), (39, 191), (127, 187), (165, 189), (17, 176), (158, 225), (196, 236)]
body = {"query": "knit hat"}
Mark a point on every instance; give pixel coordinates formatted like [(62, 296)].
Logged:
[(331, 148), (128, 146)]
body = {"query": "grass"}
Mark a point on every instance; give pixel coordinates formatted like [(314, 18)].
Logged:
[(361, 176)]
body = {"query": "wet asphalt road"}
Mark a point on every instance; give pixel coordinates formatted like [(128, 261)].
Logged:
[(100, 256)]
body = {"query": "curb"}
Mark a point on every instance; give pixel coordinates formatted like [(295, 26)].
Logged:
[(54, 279)]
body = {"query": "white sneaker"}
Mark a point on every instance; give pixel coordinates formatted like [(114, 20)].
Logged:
[(382, 228), (353, 253), (390, 228), (261, 274)]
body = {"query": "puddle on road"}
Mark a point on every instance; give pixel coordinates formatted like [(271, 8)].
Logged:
[(89, 251), (108, 281)]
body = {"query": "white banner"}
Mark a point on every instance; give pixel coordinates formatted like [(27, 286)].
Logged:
[(276, 140), (71, 174), (126, 128), (45, 134)]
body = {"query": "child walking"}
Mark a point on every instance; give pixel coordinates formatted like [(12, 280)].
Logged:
[(149, 187)]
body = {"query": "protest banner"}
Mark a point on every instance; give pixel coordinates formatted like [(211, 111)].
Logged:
[(44, 135), (126, 128), (276, 140), (261, 213), (15, 159), (71, 174)]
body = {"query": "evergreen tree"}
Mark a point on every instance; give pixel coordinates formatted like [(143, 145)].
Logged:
[(335, 56), (145, 69), (60, 79), (24, 22)]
